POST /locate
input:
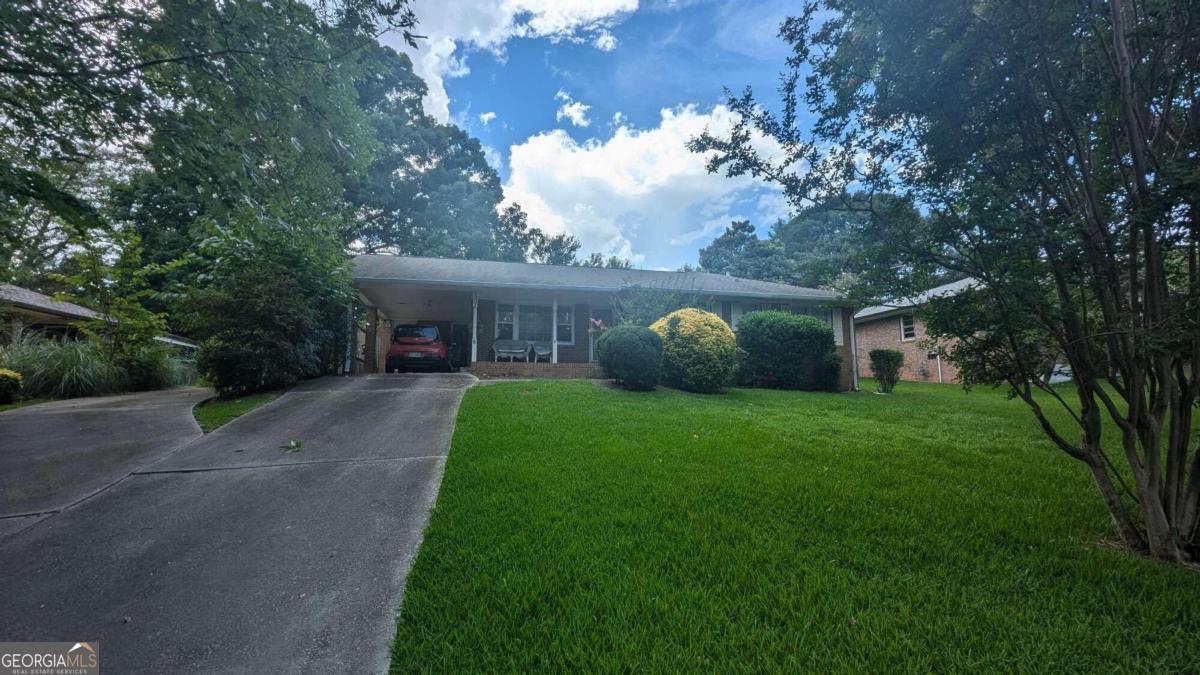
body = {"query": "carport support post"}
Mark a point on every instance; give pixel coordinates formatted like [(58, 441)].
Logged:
[(474, 326), (370, 360), (554, 330)]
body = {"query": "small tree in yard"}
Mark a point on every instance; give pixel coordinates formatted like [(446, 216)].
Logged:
[(1053, 147), (885, 366)]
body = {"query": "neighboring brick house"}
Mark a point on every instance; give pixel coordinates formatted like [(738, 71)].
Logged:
[(477, 303), (894, 326)]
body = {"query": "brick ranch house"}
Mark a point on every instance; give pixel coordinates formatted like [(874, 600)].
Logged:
[(894, 326), (476, 303)]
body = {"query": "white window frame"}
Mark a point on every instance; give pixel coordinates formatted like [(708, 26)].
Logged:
[(913, 321), (516, 322)]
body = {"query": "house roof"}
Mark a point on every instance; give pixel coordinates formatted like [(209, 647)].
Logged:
[(27, 299), (486, 273), (901, 304)]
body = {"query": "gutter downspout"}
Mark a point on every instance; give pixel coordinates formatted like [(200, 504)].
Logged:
[(854, 351)]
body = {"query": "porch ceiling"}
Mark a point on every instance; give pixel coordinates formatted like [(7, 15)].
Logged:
[(402, 303)]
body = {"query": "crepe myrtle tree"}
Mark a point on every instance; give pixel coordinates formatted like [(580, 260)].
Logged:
[(1053, 147)]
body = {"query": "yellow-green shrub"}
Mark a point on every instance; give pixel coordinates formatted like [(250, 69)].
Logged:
[(698, 350), (10, 384)]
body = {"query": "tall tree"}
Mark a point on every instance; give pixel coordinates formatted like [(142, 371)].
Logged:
[(1054, 147), (77, 75), (559, 249), (739, 252), (430, 190)]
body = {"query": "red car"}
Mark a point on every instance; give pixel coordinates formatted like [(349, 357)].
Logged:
[(417, 346)]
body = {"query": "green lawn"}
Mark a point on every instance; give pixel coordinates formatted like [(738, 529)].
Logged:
[(219, 411), (581, 527)]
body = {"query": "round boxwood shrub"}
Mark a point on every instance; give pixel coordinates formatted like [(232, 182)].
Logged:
[(885, 365), (698, 350), (782, 350), (10, 384), (631, 355)]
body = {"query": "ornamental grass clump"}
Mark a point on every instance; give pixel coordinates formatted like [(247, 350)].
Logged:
[(698, 350)]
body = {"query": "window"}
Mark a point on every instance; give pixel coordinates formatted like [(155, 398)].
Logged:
[(533, 323), (566, 325), (823, 313), (505, 318), (908, 328)]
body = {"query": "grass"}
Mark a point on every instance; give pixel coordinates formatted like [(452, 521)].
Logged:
[(21, 403), (584, 528), (217, 412)]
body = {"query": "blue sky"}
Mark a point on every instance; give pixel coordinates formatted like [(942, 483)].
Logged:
[(584, 106)]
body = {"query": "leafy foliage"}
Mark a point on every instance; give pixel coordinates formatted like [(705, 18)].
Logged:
[(631, 355), (272, 308), (641, 305), (885, 366), (1053, 147), (787, 351), (698, 350)]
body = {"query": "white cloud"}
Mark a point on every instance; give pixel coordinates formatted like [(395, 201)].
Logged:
[(573, 110), (452, 26), (605, 41), (639, 194), (486, 117)]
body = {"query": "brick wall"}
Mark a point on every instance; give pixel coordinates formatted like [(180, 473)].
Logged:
[(884, 333), (534, 370)]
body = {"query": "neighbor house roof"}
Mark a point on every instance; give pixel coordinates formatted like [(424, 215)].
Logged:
[(32, 300), (903, 304), (484, 273)]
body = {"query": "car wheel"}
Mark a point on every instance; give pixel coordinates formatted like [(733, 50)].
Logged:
[(391, 369), (446, 367)]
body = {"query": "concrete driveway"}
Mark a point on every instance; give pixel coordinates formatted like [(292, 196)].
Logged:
[(232, 554), (54, 454)]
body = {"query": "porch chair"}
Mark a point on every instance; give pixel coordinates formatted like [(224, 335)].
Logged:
[(542, 349), (512, 349)]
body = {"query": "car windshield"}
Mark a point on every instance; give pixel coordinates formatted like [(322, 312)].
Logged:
[(427, 332)]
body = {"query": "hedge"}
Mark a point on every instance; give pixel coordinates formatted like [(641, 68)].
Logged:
[(782, 350)]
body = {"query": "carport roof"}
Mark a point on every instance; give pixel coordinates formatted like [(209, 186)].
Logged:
[(486, 273)]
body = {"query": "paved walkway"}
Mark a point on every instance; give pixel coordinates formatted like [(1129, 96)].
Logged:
[(232, 554)]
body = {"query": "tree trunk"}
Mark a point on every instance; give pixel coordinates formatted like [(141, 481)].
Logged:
[(1116, 508)]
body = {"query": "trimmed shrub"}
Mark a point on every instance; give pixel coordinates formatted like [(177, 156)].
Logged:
[(10, 385), (885, 365), (698, 350), (631, 355), (787, 351)]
